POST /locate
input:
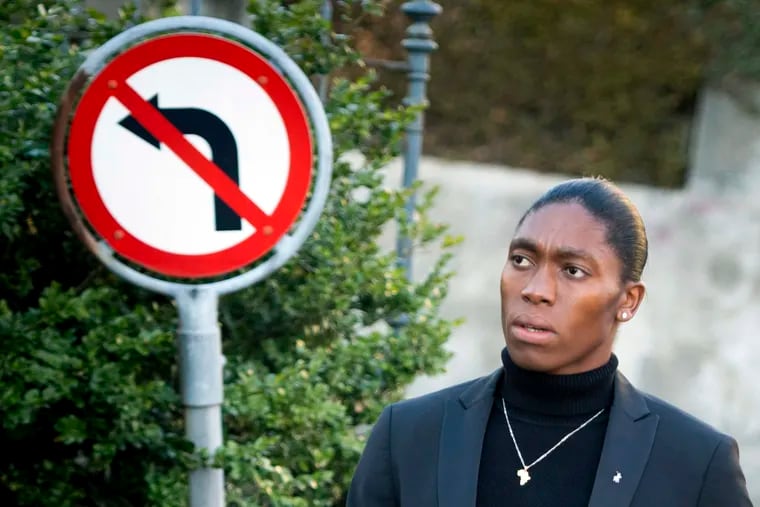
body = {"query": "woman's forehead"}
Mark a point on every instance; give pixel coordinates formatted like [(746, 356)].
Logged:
[(566, 225)]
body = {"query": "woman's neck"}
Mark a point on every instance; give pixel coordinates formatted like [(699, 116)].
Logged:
[(561, 395)]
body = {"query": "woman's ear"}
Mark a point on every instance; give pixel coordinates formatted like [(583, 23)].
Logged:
[(632, 298)]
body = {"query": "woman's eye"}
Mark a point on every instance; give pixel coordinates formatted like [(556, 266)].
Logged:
[(575, 272), (520, 261)]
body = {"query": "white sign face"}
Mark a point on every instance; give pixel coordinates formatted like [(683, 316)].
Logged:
[(152, 193), (190, 155)]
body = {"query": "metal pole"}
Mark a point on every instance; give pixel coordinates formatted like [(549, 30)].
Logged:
[(231, 10), (419, 44), (326, 11), (201, 385)]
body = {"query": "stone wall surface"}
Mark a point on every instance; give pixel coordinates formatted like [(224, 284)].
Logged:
[(694, 341)]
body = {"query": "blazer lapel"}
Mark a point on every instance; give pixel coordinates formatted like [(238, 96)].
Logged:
[(627, 444), (464, 426)]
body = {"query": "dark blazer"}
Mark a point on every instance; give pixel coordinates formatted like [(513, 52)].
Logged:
[(425, 452)]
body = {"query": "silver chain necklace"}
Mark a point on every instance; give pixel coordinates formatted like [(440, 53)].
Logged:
[(523, 472)]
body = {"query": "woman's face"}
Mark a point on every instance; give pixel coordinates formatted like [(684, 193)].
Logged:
[(561, 292)]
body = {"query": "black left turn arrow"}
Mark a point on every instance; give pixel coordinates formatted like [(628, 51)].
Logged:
[(224, 152)]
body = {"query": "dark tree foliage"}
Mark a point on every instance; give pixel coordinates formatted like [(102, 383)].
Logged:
[(578, 86)]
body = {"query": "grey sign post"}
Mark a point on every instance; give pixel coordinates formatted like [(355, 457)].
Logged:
[(199, 336)]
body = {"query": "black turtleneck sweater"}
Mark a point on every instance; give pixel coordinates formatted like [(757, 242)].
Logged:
[(542, 409)]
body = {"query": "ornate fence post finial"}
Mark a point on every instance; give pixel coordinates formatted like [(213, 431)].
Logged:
[(419, 44)]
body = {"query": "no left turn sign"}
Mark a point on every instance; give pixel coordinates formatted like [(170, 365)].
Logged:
[(190, 155), (186, 143)]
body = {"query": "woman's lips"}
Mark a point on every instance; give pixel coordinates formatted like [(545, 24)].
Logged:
[(530, 332)]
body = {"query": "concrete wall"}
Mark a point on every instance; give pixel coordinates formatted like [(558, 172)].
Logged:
[(694, 341)]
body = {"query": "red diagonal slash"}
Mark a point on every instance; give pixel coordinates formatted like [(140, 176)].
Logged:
[(163, 130)]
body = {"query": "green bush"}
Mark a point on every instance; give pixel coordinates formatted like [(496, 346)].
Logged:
[(89, 410)]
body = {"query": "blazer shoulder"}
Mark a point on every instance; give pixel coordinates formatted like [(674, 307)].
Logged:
[(464, 392), (681, 425), (684, 442)]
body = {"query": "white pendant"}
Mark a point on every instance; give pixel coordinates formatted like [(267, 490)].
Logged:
[(524, 476)]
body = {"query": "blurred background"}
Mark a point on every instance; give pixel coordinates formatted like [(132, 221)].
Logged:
[(578, 86)]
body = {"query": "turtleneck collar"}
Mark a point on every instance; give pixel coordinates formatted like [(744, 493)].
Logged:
[(563, 395)]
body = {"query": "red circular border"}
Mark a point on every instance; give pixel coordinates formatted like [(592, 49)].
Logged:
[(202, 46)]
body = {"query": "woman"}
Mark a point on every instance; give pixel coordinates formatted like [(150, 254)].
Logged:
[(558, 425)]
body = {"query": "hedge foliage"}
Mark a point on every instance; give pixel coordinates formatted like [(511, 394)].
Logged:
[(89, 410), (577, 86)]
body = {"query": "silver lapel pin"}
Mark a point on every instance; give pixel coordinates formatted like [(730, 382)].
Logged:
[(617, 477)]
